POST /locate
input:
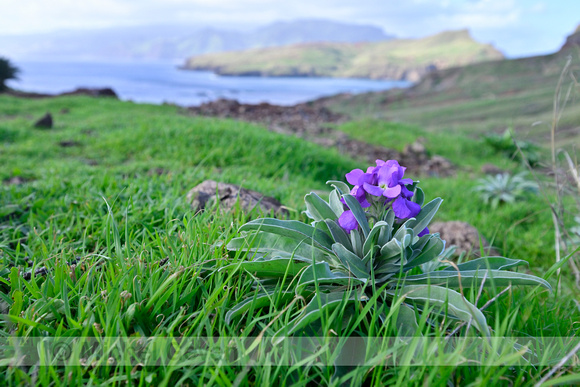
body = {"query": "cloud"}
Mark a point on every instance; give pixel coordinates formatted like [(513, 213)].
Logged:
[(501, 21)]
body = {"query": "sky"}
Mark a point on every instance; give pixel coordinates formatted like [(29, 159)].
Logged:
[(517, 27)]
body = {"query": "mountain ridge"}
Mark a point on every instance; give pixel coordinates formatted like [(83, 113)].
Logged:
[(177, 43), (401, 59)]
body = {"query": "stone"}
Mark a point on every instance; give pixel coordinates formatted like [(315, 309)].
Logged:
[(93, 92), (69, 143), (45, 122), (204, 195), (462, 235)]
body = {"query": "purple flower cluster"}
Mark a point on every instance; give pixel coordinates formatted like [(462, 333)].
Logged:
[(383, 181)]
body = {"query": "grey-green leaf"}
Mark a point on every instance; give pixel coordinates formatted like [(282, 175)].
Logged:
[(320, 274), (427, 213), (351, 261), (432, 250), (320, 304), (338, 234), (277, 245), (358, 213), (318, 208), (373, 236), (488, 263), (339, 185), (270, 268), (291, 229), (260, 300), (335, 203), (474, 278), (456, 304)]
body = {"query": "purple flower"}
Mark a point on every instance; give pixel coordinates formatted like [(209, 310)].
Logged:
[(347, 221), (358, 179), (424, 232), (391, 184)]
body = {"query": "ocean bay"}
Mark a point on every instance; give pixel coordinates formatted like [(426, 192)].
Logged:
[(158, 82)]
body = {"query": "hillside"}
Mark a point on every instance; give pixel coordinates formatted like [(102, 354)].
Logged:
[(482, 97), (404, 59), (179, 41)]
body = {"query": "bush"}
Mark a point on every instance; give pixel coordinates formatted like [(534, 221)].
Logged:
[(7, 71), (506, 145)]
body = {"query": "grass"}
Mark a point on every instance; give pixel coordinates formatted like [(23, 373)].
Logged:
[(480, 98), (123, 251)]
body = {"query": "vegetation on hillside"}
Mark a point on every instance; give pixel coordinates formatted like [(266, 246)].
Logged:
[(406, 59), (482, 98)]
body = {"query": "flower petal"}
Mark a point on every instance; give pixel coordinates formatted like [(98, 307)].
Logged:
[(406, 193), (392, 192), (347, 221), (424, 232), (373, 189), (404, 208), (400, 208), (414, 208), (364, 203), (353, 176)]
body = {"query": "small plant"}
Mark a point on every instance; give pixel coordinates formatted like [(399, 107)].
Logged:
[(505, 144), (503, 188), (370, 242), (7, 71)]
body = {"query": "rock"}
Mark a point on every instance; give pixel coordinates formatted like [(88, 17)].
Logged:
[(204, 195), (45, 122), (490, 169), (461, 234), (69, 143), (437, 166), (572, 40), (16, 180), (96, 92)]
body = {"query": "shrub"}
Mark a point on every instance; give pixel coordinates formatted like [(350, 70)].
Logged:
[(7, 71), (509, 147)]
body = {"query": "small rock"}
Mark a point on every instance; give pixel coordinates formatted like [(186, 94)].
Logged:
[(16, 180), (490, 169), (437, 166), (204, 195), (69, 143), (462, 235), (45, 122), (96, 92)]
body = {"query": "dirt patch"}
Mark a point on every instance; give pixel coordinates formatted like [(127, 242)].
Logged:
[(311, 121)]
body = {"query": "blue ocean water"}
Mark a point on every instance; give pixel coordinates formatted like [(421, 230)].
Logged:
[(164, 82)]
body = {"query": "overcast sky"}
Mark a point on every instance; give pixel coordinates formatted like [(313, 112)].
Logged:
[(517, 27)]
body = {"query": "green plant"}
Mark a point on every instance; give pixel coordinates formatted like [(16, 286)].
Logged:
[(7, 71), (381, 256), (505, 144), (504, 188)]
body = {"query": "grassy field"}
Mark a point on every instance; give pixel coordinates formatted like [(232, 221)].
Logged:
[(123, 252), (481, 98), (394, 59)]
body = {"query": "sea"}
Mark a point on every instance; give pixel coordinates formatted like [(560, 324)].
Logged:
[(163, 82)]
